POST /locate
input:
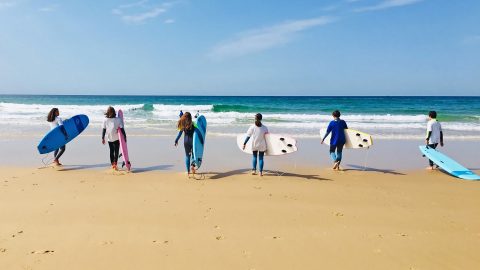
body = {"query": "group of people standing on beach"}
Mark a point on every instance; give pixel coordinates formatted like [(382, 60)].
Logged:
[(256, 132)]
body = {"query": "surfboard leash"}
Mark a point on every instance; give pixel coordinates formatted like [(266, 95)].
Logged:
[(47, 163)]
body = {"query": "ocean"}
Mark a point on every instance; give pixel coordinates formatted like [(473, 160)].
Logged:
[(302, 117)]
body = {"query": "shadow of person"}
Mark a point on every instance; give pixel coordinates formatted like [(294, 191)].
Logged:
[(217, 175), (297, 175), (152, 168), (65, 168), (369, 169), (274, 173)]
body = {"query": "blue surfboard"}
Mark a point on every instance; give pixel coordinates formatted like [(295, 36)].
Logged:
[(199, 141), (56, 137), (447, 164)]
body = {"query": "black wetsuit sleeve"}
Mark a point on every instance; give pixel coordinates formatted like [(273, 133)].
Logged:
[(430, 134), (246, 140), (104, 131), (124, 134), (441, 137)]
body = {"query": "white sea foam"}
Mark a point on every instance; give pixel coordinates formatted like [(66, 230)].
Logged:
[(164, 117)]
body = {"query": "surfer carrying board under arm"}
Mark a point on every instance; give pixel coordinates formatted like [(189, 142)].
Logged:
[(110, 127), (54, 119), (434, 135), (337, 127), (185, 125), (257, 133)]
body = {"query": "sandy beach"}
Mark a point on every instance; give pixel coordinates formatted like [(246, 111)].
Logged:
[(309, 219)]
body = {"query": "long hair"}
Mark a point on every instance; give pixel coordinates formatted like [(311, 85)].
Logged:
[(258, 120), (110, 112), (52, 114), (185, 122)]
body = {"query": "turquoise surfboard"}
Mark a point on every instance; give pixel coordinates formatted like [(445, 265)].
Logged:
[(199, 141), (447, 164), (56, 137)]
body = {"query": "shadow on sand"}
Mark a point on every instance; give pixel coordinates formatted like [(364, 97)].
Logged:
[(216, 175), (368, 169), (152, 168), (83, 167)]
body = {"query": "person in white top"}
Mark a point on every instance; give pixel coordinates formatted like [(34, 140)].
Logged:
[(434, 135), (110, 127), (257, 133), (54, 119)]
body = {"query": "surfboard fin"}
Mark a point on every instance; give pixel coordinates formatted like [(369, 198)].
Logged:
[(123, 164), (365, 140), (289, 145), (282, 139), (284, 151), (358, 134), (360, 145), (120, 155)]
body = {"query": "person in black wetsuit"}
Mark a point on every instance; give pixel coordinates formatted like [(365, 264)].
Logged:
[(185, 125)]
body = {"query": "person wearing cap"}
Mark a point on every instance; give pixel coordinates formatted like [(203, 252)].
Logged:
[(257, 133)]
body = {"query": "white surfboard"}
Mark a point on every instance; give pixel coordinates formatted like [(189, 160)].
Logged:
[(276, 144), (354, 139)]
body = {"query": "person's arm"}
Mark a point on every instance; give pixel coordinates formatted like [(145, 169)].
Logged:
[(346, 127), (249, 134), (329, 129), (429, 134), (441, 138), (124, 134), (178, 137), (104, 131)]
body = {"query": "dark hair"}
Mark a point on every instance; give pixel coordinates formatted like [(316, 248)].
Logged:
[(432, 114), (258, 119), (52, 114), (110, 112), (336, 113), (185, 122)]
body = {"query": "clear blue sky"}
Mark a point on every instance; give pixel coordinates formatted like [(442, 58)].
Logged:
[(248, 47)]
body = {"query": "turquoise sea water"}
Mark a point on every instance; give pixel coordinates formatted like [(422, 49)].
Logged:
[(384, 117)]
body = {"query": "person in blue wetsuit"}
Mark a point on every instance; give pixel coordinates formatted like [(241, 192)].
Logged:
[(186, 125), (337, 140)]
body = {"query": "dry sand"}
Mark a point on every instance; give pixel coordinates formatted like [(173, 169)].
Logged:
[(309, 219)]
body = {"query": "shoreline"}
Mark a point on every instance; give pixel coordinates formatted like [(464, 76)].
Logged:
[(222, 153)]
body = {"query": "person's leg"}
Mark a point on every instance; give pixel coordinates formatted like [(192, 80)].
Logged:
[(112, 156), (116, 151), (188, 145), (433, 146), (260, 157), (187, 162), (254, 161), (339, 153), (333, 156), (58, 153)]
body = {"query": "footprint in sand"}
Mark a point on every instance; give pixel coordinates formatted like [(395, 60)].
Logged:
[(104, 243), (15, 235), (43, 252), (3, 250), (219, 237)]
